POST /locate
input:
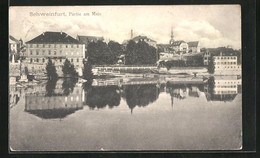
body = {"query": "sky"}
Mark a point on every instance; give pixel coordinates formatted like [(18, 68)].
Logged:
[(212, 25)]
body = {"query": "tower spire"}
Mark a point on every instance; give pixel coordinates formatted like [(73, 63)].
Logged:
[(172, 36)]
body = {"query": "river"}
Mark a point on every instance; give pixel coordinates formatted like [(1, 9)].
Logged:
[(67, 115)]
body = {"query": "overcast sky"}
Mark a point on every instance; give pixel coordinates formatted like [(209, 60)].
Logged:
[(212, 25)]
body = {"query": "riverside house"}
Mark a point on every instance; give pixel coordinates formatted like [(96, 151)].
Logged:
[(57, 46)]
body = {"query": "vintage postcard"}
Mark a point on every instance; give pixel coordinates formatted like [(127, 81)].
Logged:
[(125, 78)]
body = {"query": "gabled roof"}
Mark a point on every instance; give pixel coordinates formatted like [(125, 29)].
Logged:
[(177, 43), (13, 39), (193, 44), (53, 37), (137, 38), (87, 39)]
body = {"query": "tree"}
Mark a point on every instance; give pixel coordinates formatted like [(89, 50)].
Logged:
[(51, 70), (140, 53), (100, 53), (211, 65), (69, 70), (87, 71)]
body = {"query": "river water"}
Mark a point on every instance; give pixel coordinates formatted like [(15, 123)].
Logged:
[(137, 114)]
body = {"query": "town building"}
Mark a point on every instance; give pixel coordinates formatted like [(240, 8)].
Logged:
[(180, 47), (87, 39), (57, 46), (194, 47), (14, 44), (136, 39), (226, 64)]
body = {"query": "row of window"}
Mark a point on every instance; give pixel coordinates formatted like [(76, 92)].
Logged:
[(225, 63), (54, 45), (226, 92), (227, 67), (50, 53), (44, 60), (229, 86), (225, 57)]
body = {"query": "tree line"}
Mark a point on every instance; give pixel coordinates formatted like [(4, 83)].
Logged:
[(140, 53)]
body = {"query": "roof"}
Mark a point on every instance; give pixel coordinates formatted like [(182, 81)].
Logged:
[(87, 39), (53, 37), (53, 113), (13, 39), (193, 44), (137, 38), (177, 43)]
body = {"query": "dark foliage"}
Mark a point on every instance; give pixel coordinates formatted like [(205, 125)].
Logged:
[(51, 70)]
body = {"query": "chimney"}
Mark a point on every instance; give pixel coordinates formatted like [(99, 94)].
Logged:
[(131, 34)]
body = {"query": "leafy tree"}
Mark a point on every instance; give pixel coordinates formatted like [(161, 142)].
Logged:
[(115, 48), (140, 53), (87, 71), (100, 53), (51, 70), (68, 85), (50, 87), (211, 65), (69, 70)]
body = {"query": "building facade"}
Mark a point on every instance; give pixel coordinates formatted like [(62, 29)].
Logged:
[(57, 46), (145, 39), (226, 64), (194, 47), (180, 47)]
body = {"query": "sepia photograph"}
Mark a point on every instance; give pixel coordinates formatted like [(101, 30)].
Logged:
[(125, 78)]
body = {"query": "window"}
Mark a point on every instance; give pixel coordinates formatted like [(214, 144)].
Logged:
[(37, 45), (37, 60), (77, 59), (43, 52), (37, 52), (31, 45), (77, 46), (66, 46), (31, 60), (31, 52), (49, 52), (71, 60), (43, 60), (60, 51), (55, 53)]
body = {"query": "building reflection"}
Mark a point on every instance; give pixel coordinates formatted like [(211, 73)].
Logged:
[(223, 88), (51, 101), (14, 96), (181, 91), (60, 98)]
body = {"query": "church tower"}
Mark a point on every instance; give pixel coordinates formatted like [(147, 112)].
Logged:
[(172, 37)]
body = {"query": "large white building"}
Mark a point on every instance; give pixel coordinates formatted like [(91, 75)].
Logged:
[(226, 64), (57, 46)]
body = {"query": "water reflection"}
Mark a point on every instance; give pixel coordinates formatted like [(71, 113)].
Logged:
[(140, 95), (60, 98), (222, 88), (100, 97)]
